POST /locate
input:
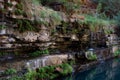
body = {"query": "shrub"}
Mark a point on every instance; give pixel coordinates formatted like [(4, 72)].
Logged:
[(93, 22), (25, 25), (117, 53), (48, 72), (10, 71), (44, 73), (2, 27), (31, 75), (16, 78), (91, 55), (66, 69), (19, 12), (39, 53)]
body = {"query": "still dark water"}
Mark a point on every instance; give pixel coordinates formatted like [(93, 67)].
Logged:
[(109, 70)]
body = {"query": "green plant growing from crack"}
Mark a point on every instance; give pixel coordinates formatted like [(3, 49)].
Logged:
[(117, 53)]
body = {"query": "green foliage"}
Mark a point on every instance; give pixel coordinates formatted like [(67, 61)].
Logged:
[(72, 62), (64, 27), (25, 25), (96, 21), (2, 27), (48, 16), (16, 78), (19, 6), (56, 18), (100, 14), (47, 72), (108, 31), (19, 9), (90, 55), (117, 53), (31, 75), (9, 4), (36, 2), (43, 14), (93, 22), (66, 69), (19, 12), (99, 7), (39, 53), (10, 71), (3, 10), (71, 7)]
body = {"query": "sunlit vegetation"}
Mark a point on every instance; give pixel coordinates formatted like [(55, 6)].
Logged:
[(91, 55), (10, 72), (25, 25), (48, 15), (117, 53), (39, 53), (48, 72)]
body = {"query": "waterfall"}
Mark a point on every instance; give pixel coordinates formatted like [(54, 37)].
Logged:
[(45, 61), (33, 64), (3, 31), (28, 65), (37, 63)]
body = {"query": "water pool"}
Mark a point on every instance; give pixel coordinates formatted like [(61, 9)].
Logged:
[(109, 70)]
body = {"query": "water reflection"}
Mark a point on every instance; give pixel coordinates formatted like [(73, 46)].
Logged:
[(109, 70)]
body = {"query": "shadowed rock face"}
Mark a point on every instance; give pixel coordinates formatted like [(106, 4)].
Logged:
[(57, 6), (117, 31)]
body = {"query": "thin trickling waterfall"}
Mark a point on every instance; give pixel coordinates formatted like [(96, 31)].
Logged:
[(3, 31), (36, 63)]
